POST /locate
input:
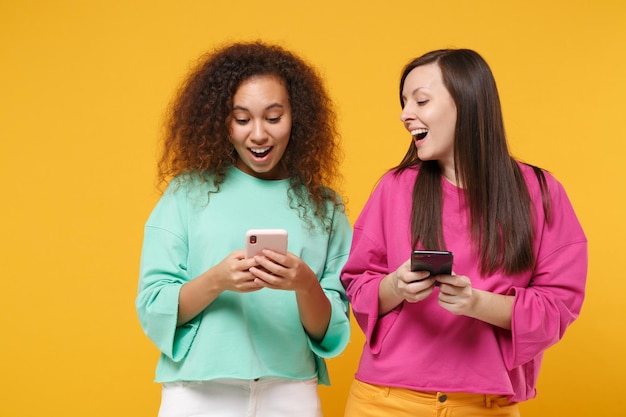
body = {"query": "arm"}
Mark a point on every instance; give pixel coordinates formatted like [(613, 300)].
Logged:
[(495, 309), (169, 299), (314, 309), (195, 296), (289, 272), (162, 275), (377, 275), (321, 299), (544, 308), (401, 285), (543, 311), (370, 288), (230, 274), (457, 296)]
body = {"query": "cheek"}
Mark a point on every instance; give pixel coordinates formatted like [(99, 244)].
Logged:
[(451, 116), (449, 137), (447, 123), (235, 134), (231, 126), (283, 134)]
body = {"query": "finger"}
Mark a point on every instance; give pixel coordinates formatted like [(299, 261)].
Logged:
[(278, 258), (269, 282), (453, 280), (445, 291), (268, 265), (444, 279), (265, 275), (262, 283), (414, 276), (248, 285), (421, 284), (419, 295), (246, 264)]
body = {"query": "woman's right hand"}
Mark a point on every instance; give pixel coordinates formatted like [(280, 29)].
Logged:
[(404, 285), (231, 274)]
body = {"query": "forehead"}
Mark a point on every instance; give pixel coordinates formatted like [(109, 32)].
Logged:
[(262, 88), (425, 77)]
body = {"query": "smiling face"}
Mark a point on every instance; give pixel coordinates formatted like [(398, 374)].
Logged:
[(260, 126), (429, 114)]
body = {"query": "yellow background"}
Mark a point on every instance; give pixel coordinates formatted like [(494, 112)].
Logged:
[(83, 88)]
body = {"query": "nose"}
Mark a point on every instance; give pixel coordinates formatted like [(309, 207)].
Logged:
[(258, 133), (406, 115)]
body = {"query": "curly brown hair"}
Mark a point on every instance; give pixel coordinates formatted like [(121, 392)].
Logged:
[(196, 142)]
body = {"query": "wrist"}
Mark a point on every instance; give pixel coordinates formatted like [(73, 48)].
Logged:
[(389, 295), (474, 306), (312, 287)]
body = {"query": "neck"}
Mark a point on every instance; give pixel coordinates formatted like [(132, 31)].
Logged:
[(450, 175)]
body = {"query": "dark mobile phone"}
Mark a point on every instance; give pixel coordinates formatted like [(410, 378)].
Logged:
[(434, 261)]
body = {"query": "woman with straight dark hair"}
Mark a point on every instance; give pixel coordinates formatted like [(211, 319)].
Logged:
[(471, 339)]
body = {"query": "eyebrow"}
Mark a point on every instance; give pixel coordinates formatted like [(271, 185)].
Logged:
[(413, 92), (416, 90), (270, 107)]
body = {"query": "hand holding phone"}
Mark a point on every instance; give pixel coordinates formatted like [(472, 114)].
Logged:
[(436, 262), (259, 239)]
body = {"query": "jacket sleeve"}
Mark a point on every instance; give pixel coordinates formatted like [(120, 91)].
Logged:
[(163, 271), (543, 310), (338, 333)]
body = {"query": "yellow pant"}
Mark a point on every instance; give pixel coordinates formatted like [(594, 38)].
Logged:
[(366, 400)]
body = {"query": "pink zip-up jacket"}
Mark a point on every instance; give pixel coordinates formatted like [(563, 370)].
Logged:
[(421, 346)]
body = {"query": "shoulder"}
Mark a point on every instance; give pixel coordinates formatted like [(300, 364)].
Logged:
[(395, 179), (184, 189), (393, 190), (547, 191), (190, 185), (335, 205), (536, 177)]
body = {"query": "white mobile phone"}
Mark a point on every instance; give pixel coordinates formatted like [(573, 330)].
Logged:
[(259, 239)]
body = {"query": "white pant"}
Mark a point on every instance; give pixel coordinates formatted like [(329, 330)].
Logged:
[(266, 397)]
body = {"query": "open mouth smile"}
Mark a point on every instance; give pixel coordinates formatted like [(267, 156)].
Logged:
[(260, 152), (419, 134)]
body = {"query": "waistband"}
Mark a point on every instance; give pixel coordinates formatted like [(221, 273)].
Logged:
[(242, 383), (443, 398)]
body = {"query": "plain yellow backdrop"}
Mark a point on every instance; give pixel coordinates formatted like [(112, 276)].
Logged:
[(83, 89)]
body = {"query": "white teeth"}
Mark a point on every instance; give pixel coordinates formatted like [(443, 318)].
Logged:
[(416, 132), (260, 150)]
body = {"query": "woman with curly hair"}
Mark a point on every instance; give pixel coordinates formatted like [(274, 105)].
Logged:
[(250, 144)]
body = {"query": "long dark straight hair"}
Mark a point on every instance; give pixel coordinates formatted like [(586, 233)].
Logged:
[(500, 210)]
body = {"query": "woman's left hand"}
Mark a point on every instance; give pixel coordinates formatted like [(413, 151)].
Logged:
[(283, 272), (289, 272), (455, 293), (459, 297)]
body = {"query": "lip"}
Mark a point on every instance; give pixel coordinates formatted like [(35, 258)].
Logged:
[(419, 133), (417, 130), (260, 153)]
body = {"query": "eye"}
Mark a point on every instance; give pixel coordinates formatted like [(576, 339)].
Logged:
[(273, 120), (242, 121), (422, 102)]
